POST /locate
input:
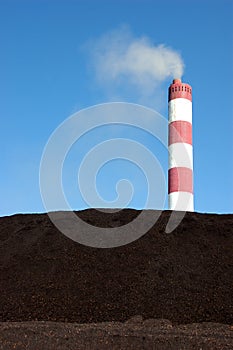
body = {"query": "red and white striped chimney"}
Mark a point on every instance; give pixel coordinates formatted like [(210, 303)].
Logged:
[(180, 173)]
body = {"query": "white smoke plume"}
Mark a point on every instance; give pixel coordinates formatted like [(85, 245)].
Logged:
[(119, 59)]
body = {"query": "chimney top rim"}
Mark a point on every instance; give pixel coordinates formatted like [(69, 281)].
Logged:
[(177, 81)]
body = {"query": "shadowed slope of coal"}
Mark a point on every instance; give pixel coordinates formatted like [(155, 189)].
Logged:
[(185, 276)]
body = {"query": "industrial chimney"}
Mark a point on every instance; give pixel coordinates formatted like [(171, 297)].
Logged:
[(180, 173)]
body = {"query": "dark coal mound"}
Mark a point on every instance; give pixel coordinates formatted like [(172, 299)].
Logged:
[(185, 276)]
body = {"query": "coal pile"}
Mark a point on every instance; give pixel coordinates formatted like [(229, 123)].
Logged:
[(185, 276), (162, 291)]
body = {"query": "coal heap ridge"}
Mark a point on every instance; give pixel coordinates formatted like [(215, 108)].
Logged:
[(185, 276)]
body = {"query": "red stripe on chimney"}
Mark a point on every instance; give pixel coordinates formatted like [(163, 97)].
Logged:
[(180, 179), (180, 131)]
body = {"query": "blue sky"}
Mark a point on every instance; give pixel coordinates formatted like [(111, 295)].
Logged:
[(47, 73)]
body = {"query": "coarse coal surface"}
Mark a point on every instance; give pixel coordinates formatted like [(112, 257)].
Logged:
[(185, 276)]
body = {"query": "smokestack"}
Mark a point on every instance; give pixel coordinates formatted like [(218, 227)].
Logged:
[(180, 173)]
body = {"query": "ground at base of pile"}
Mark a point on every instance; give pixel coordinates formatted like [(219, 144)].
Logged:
[(133, 334)]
